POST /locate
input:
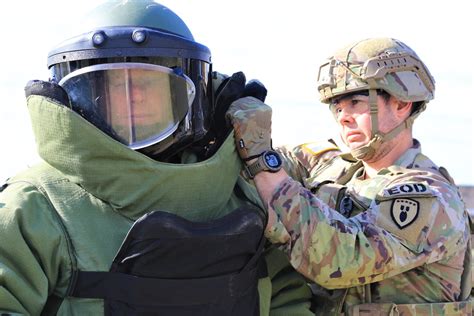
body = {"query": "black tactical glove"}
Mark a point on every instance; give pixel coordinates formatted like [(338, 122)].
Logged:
[(227, 89), (57, 93), (47, 89), (254, 88)]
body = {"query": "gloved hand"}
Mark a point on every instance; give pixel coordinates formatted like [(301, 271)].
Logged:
[(47, 89), (252, 123), (254, 88), (226, 89)]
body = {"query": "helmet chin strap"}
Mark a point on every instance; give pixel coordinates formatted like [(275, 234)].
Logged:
[(369, 151)]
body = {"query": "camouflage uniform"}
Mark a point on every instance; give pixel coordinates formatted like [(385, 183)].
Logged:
[(397, 238), (395, 243)]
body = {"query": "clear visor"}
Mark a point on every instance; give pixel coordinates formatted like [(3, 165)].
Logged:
[(137, 104)]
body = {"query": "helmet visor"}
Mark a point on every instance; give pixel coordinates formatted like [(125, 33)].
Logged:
[(137, 104)]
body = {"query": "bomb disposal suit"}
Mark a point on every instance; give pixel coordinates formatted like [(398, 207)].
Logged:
[(138, 207), (394, 244)]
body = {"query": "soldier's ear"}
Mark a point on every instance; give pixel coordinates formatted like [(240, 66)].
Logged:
[(403, 109)]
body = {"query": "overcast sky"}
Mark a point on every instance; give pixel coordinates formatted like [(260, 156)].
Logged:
[(282, 44)]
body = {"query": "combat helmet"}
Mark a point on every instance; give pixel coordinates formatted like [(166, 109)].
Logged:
[(377, 64), (138, 75)]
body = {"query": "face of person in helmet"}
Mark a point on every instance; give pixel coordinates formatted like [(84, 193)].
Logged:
[(353, 117), (139, 104), (373, 65), (129, 99), (143, 105)]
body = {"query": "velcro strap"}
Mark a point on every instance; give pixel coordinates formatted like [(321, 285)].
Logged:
[(140, 290), (428, 309)]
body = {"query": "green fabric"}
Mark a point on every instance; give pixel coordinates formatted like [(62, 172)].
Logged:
[(143, 13), (134, 182), (73, 211)]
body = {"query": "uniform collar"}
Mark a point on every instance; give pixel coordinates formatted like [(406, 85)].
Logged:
[(409, 156)]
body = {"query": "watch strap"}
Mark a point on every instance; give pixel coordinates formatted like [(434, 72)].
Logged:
[(255, 167), (261, 164)]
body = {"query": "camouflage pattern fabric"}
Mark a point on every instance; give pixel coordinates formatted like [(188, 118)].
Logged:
[(252, 121), (392, 65), (471, 223), (406, 233), (451, 309)]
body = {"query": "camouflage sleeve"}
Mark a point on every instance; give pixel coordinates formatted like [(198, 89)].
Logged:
[(339, 252), (300, 161)]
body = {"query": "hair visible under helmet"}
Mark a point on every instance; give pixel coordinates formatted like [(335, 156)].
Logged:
[(377, 64)]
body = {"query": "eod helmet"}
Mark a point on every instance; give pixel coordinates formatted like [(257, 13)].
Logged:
[(138, 75), (377, 64)]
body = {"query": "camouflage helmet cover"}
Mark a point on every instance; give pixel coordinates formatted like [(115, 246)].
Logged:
[(378, 63)]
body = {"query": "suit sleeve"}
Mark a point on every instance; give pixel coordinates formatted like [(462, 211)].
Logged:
[(33, 252)]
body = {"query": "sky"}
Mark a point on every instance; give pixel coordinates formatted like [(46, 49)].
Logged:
[(282, 44)]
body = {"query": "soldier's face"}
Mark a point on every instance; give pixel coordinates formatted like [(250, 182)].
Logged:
[(133, 104), (353, 117)]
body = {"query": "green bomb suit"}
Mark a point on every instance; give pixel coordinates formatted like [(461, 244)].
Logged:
[(73, 211)]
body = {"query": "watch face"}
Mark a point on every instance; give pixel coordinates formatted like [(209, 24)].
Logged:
[(272, 160)]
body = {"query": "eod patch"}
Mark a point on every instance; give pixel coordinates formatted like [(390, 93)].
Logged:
[(404, 212), (406, 188)]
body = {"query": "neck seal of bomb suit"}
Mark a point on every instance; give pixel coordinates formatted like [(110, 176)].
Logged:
[(68, 147)]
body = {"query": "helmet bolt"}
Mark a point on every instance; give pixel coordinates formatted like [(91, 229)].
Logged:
[(98, 38), (139, 36)]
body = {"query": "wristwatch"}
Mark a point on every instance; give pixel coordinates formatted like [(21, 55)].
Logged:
[(267, 161)]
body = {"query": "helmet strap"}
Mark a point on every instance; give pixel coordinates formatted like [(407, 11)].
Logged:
[(368, 151)]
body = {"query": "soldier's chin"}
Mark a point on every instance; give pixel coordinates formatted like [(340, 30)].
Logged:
[(356, 145)]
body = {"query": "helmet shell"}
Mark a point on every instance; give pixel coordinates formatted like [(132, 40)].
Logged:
[(145, 13), (111, 30), (378, 63)]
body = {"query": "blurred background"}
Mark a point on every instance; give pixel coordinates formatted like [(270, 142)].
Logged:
[(279, 43)]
